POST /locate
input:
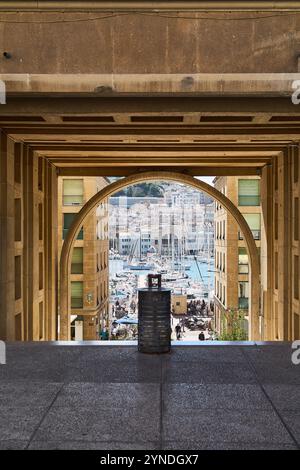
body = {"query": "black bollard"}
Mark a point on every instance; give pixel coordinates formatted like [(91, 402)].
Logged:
[(154, 310)]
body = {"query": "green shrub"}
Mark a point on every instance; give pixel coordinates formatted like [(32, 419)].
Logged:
[(233, 326)]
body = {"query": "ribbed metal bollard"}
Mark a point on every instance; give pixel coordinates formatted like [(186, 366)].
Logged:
[(154, 310)]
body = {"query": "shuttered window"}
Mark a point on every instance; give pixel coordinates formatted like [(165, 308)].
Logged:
[(77, 261), (249, 192), (72, 192), (253, 220), (243, 261), (68, 219), (77, 294)]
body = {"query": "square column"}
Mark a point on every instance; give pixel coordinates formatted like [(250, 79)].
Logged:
[(10, 266)]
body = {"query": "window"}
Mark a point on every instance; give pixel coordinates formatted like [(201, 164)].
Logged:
[(41, 320), (243, 295), (296, 167), (276, 321), (249, 192), (276, 221), (243, 261), (40, 173), (41, 271), (17, 164), (40, 221), (276, 270), (18, 278), (18, 220), (244, 303), (76, 294), (276, 172), (18, 327), (296, 277), (253, 220), (68, 219), (296, 326), (77, 261), (72, 192), (296, 218)]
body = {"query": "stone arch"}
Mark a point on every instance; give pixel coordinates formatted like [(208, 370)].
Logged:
[(66, 253)]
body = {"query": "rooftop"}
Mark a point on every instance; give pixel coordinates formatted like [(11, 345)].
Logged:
[(99, 396)]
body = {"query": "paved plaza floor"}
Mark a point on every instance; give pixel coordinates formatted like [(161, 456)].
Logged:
[(91, 396)]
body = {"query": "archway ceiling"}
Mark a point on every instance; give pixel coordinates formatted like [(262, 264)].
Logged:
[(236, 136)]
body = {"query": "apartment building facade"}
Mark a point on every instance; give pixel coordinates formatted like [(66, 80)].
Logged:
[(89, 268), (231, 258)]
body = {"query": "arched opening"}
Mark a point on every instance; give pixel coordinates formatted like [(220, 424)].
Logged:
[(66, 254)]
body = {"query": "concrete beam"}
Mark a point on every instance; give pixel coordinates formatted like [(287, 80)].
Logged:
[(27, 105), (204, 84), (125, 171)]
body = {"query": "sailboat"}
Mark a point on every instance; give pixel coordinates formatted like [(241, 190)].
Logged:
[(140, 264)]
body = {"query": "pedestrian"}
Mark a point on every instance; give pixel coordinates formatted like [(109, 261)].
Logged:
[(114, 332), (178, 331), (104, 334), (201, 336)]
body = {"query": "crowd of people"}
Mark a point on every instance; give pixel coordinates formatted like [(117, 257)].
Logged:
[(198, 317), (200, 307), (199, 314)]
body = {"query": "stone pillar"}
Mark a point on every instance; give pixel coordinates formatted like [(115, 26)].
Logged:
[(31, 243), (7, 239), (267, 251), (50, 232), (294, 323), (282, 257), (39, 248)]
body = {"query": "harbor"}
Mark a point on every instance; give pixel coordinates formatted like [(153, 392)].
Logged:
[(191, 293), (162, 228)]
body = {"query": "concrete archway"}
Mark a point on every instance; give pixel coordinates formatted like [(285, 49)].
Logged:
[(66, 253)]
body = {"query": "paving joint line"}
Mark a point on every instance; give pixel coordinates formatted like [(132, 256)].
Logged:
[(161, 405), (43, 417), (252, 366)]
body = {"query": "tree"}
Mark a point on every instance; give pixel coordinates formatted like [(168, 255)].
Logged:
[(142, 190)]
